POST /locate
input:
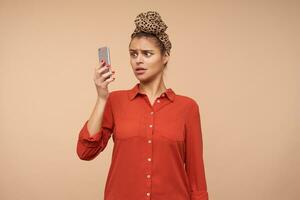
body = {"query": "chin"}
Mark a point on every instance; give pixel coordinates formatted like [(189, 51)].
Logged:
[(142, 79), (145, 79)]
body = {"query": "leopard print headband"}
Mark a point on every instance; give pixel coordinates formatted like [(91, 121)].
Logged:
[(151, 22)]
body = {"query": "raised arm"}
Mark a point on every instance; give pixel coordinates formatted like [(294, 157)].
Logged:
[(97, 130)]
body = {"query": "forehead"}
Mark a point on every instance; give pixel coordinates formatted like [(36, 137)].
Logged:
[(143, 43)]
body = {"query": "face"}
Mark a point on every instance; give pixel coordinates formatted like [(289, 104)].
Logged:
[(146, 59)]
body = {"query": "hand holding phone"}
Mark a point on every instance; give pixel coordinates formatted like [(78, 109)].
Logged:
[(101, 71)]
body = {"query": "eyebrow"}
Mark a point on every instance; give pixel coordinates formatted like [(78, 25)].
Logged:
[(141, 50)]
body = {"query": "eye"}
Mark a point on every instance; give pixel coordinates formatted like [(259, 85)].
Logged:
[(133, 54), (148, 54)]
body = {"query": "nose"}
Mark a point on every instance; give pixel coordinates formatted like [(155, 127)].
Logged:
[(139, 58)]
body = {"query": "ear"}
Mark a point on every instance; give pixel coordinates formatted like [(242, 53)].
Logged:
[(166, 58)]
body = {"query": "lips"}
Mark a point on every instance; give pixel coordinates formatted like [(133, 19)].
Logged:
[(140, 68)]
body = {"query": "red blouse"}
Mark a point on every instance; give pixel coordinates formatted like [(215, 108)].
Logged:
[(158, 149)]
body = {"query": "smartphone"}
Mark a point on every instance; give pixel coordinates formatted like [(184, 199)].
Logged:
[(103, 53)]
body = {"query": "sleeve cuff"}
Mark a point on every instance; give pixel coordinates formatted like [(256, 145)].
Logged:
[(86, 139)]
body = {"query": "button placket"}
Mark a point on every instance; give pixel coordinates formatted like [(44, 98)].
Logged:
[(148, 168)]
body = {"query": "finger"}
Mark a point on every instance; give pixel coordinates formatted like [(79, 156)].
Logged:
[(107, 74), (101, 70), (105, 66), (100, 64), (109, 80), (102, 77)]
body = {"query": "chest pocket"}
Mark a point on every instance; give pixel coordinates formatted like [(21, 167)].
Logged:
[(171, 128), (127, 126)]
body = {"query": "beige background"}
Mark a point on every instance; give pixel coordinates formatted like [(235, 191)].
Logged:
[(238, 59)]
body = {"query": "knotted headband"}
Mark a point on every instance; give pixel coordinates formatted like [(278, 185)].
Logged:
[(151, 22)]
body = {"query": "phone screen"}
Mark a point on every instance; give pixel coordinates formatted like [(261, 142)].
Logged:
[(103, 53)]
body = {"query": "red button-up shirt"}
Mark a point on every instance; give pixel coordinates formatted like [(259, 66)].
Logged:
[(158, 149)]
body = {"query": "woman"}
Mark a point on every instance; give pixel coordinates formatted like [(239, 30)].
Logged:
[(158, 150)]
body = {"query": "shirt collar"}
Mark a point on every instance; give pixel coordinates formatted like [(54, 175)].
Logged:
[(132, 93)]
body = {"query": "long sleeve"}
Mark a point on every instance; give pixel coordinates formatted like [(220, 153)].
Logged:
[(88, 147), (194, 154)]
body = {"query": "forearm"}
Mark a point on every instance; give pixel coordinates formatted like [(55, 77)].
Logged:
[(94, 122)]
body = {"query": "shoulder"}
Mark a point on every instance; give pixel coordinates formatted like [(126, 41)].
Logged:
[(118, 95), (187, 101), (115, 93), (190, 105)]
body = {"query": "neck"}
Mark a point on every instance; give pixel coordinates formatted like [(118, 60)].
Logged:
[(153, 89)]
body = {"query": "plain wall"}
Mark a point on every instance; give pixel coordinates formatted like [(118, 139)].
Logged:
[(238, 59)]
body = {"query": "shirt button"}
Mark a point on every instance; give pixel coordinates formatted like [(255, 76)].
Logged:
[(150, 125), (149, 141), (148, 194), (149, 159), (158, 101), (148, 176), (151, 113)]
